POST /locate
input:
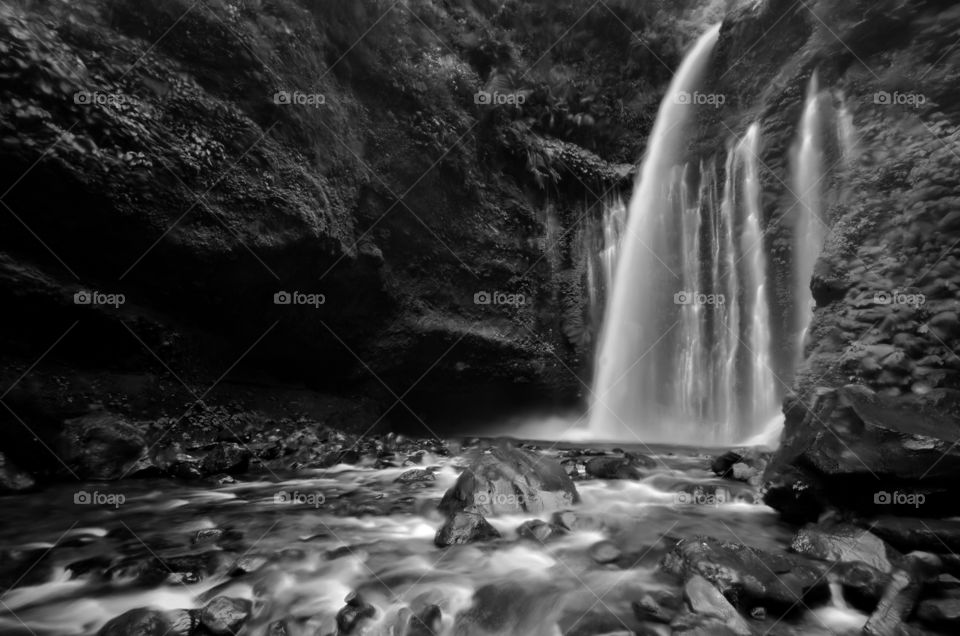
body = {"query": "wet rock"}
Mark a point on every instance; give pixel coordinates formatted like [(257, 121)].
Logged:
[(100, 446), (722, 466), (705, 600), (213, 535), (842, 439), (137, 622), (749, 577), (613, 468), (417, 475), (658, 607), (507, 481), (227, 458), (539, 531), (862, 585), (247, 565), (183, 622), (428, 622), (278, 628), (895, 605), (940, 613), (844, 543), (512, 607), (910, 533), (224, 615), (604, 552), (463, 527), (351, 616), (12, 479)]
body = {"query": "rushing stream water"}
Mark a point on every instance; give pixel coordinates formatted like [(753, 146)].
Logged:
[(297, 546)]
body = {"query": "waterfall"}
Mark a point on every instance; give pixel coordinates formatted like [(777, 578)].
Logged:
[(807, 170), (649, 367), (763, 402)]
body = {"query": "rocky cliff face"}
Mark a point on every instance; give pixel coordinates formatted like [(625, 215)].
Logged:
[(179, 165)]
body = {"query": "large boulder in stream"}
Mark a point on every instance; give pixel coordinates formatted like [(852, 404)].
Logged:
[(748, 577), (506, 480), (145, 621), (873, 453)]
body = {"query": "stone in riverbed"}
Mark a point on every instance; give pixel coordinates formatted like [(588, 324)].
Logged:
[(417, 475), (658, 607), (137, 622), (227, 458), (749, 577), (428, 622), (844, 543), (613, 468), (464, 527), (862, 585), (224, 615), (940, 613), (706, 601), (604, 552), (506, 480), (352, 615), (722, 465), (538, 530)]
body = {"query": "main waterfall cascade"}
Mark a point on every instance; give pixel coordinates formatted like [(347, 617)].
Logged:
[(686, 349)]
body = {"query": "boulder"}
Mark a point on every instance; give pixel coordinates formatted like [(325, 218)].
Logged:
[(101, 446), (539, 531), (722, 465), (613, 468), (227, 457), (604, 552), (749, 577), (940, 613), (657, 607), (428, 622), (705, 600), (417, 475), (855, 449), (224, 615), (911, 533), (862, 585), (508, 481), (138, 622), (844, 543), (465, 526), (351, 616)]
